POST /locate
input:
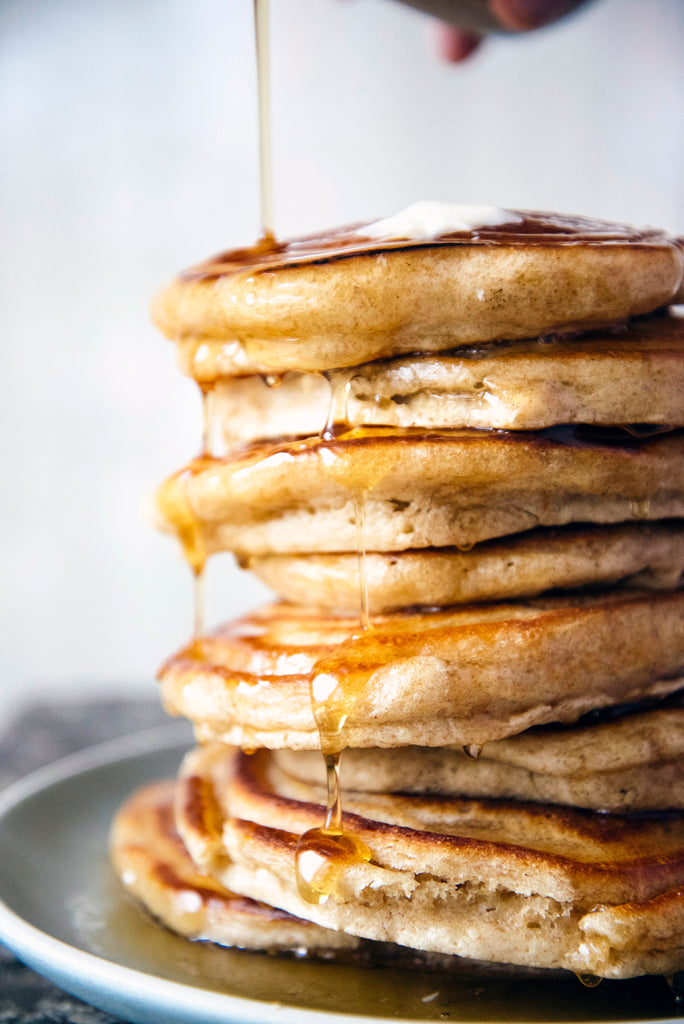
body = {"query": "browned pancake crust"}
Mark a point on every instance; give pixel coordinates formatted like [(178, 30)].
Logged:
[(456, 676), (569, 875), (151, 860)]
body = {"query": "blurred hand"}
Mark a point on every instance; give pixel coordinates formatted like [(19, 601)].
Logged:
[(517, 15)]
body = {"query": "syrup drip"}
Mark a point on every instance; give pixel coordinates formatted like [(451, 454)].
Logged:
[(338, 409), (175, 508), (324, 853), (198, 603), (588, 980), (172, 497), (207, 444), (321, 857), (472, 750)]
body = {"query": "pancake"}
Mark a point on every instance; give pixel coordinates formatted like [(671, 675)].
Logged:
[(634, 554), (153, 864), (151, 859), (630, 763), (509, 882), (459, 676), (635, 376), (344, 298), (407, 489)]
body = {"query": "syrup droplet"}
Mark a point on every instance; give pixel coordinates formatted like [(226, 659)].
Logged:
[(472, 750), (338, 409), (323, 853), (321, 858), (588, 980), (641, 508)]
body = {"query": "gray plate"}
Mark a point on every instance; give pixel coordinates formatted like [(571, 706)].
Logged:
[(64, 914)]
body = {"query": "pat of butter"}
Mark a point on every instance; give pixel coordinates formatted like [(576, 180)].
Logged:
[(427, 219)]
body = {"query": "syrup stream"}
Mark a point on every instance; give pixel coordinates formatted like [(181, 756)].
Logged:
[(323, 853), (263, 63)]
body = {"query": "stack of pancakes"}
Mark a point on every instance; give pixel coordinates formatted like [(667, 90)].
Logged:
[(458, 461)]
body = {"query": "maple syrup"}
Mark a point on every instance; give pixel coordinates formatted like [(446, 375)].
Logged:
[(323, 853), (263, 65), (174, 505), (338, 408), (207, 439), (176, 510), (589, 980), (530, 229), (172, 497)]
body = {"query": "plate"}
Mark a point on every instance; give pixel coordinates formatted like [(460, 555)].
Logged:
[(64, 914)]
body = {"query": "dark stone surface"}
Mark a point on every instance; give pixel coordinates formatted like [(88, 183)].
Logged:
[(38, 736)]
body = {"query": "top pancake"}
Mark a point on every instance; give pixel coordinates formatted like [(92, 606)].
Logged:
[(342, 299)]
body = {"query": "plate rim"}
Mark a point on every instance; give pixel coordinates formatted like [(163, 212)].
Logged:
[(65, 964), (61, 962)]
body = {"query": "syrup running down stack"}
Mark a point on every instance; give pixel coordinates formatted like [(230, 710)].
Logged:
[(451, 442)]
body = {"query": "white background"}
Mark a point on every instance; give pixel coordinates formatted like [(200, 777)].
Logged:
[(128, 150)]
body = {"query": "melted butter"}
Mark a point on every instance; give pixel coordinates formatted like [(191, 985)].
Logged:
[(529, 228)]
